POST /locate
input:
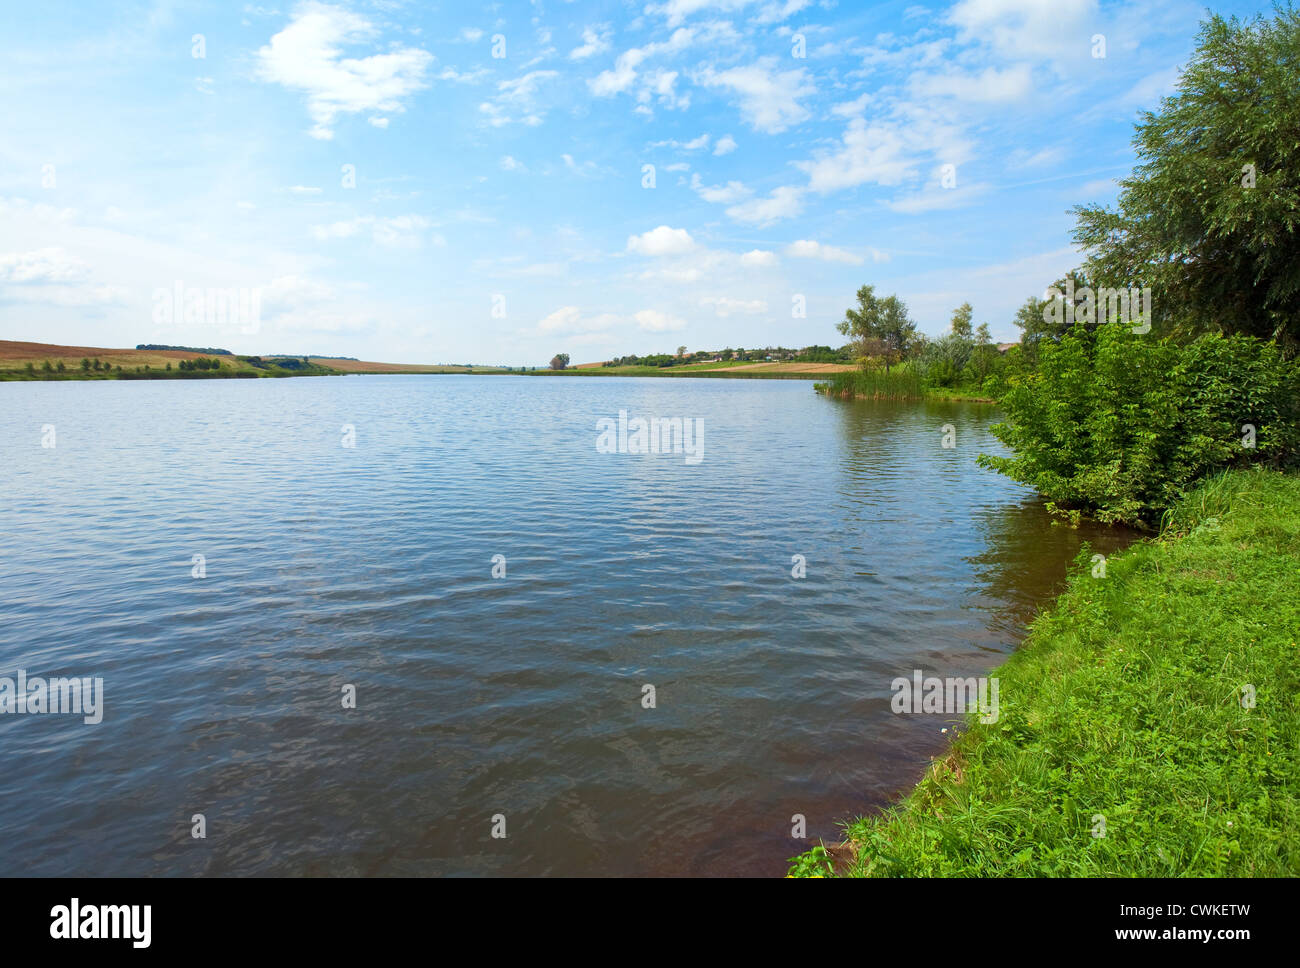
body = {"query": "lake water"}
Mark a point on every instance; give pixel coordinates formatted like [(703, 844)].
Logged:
[(477, 697)]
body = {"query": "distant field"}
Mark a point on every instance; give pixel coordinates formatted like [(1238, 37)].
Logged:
[(15, 355)]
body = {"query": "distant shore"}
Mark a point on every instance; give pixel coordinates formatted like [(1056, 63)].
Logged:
[(27, 361)]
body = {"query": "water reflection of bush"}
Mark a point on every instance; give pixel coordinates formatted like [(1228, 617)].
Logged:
[(1025, 556)]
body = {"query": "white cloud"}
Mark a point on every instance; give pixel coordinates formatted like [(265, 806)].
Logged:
[(1149, 90), (676, 11), (661, 241), (653, 321), (1022, 158), (52, 276), (783, 202), (467, 77), (808, 249), (516, 101), (868, 153), (471, 34), (298, 303), (851, 109), (769, 99), (308, 56), (509, 163), (727, 194), (660, 86), (569, 319), (624, 73), (695, 144), (724, 306), (397, 232), (1054, 32), (594, 41), (725, 146), (38, 266), (758, 258), (1102, 186), (989, 86), (778, 11), (935, 198), (584, 169)]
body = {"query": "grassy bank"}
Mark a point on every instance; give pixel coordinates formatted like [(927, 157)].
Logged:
[(734, 370), (1125, 702)]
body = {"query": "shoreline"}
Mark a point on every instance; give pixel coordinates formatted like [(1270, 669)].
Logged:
[(1135, 738)]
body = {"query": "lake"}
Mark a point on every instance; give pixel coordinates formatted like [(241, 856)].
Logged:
[(347, 529)]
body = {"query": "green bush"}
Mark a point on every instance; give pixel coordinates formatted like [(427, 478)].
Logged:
[(1119, 425)]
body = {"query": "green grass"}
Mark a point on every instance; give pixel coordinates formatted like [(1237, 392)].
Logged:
[(725, 370), (1125, 702), (898, 383)]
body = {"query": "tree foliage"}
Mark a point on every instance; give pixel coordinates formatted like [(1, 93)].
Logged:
[(880, 326), (1119, 425), (1208, 218)]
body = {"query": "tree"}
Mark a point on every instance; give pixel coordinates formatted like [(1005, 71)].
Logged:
[(559, 361), (961, 320), (1038, 321), (31, 369), (61, 368), (1208, 218), (681, 351), (982, 336), (85, 364), (885, 320)]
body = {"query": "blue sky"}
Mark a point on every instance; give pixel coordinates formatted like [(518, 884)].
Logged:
[(500, 210)]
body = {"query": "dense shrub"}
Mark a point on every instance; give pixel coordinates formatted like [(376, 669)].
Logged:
[(1118, 425), (941, 362)]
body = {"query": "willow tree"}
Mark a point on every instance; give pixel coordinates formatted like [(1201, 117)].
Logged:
[(1208, 218)]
